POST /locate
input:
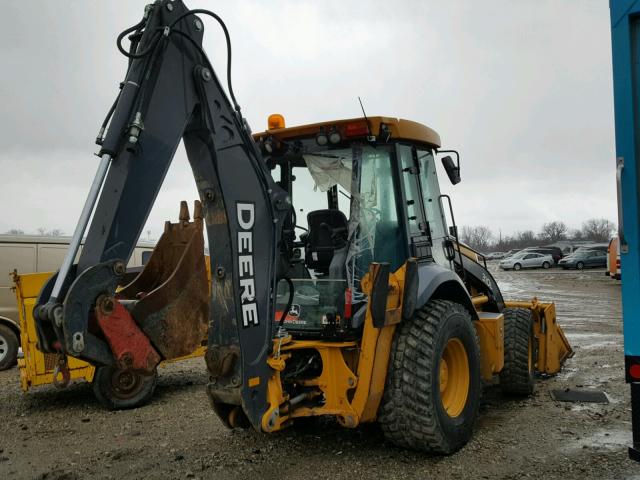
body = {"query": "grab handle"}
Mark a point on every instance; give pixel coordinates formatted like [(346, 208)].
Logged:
[(624, 246)]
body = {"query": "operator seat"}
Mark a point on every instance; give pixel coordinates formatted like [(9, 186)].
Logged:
[(327, 237)]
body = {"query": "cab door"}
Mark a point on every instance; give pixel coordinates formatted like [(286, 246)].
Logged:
[(436, 220), (415, 222), (420, 186)]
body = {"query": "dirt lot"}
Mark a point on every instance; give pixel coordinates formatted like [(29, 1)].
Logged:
[(50, 434)]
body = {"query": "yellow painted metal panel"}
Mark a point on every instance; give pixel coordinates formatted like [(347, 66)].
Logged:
[(490, 330)]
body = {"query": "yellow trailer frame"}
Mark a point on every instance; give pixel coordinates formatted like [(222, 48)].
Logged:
[(37, 368)]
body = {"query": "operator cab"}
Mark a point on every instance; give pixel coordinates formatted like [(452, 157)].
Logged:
[(358, 197)]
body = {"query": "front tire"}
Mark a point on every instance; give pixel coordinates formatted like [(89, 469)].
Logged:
[(517, 267), (8, 348), (520, 352), (546, 265), (121, 389), (579, 265), (433, 387)]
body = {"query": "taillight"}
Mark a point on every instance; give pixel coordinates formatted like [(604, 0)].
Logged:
[(356, 129), (634, 371)]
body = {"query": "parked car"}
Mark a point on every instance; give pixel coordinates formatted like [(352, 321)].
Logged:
[(525, 259), (568, 246), (512, 252), (555, 252), (584, 259), (601, 247), (495, 255)]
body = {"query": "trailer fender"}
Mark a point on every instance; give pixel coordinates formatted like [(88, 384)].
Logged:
[(15, 328)]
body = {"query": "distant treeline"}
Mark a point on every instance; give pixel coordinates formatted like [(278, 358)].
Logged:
[(56, 232), (483, 239)]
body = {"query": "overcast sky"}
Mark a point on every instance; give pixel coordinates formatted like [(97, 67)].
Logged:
[(521, 88)]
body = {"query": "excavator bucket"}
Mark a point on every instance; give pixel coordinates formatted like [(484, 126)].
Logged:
[(169, 299), (553, 346)]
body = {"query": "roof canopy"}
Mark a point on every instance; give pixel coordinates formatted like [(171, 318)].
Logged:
[(398, 128)]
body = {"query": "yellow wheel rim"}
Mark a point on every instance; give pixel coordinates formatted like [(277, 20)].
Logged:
[(530, 355), (454, 377)]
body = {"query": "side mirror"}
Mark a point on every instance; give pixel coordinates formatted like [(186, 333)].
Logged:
[(452, 169)]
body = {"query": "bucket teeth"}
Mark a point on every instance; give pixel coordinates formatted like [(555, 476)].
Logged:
[(197, 210), (184, 212)]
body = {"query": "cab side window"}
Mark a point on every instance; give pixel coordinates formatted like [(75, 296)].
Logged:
[(411, 190), (431, 194)]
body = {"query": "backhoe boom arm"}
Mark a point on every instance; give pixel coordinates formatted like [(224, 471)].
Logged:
[(170, 94)]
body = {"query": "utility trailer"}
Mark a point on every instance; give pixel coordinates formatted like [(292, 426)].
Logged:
[(37, 368)]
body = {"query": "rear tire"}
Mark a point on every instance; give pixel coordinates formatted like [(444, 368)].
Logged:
[(433, 387), (517, 376), (8, 348), (118, 390), (517, 266)]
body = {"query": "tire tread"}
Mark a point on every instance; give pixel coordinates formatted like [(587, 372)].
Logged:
[(12, 344), (407, 414), (515, 377)]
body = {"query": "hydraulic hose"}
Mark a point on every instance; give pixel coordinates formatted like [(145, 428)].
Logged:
[(289, 302), (227, 39)]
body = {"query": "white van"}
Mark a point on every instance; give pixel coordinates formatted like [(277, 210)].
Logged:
[(32, 254)]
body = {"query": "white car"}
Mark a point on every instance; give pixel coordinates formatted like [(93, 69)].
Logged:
[(526, 259)]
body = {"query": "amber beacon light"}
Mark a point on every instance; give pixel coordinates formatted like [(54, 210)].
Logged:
[(275, 121)]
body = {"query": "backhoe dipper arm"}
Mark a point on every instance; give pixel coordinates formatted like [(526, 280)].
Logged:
[(171, 93)]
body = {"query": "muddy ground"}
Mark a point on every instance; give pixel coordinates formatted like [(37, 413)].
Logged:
[(50, 434)]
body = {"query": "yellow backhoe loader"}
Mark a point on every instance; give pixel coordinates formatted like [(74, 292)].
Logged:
[(337, 287)]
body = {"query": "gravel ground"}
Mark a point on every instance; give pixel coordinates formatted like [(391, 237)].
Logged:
[(50, 434)]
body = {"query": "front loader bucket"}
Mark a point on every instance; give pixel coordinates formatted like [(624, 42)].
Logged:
[(553, 346), (169, 299)]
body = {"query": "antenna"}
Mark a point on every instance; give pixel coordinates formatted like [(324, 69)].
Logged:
[(371, 137)]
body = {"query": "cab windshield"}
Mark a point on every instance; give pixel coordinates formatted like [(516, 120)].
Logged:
[(365, 204), (352, 205)]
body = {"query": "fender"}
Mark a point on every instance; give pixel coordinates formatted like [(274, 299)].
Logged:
[(436, 281), (11, 324)]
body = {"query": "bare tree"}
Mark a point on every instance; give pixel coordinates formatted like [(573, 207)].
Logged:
[(56, 232), (554, 231), (526, 238), (576, 234), (598, 229), (478, 237), (15, 231)]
